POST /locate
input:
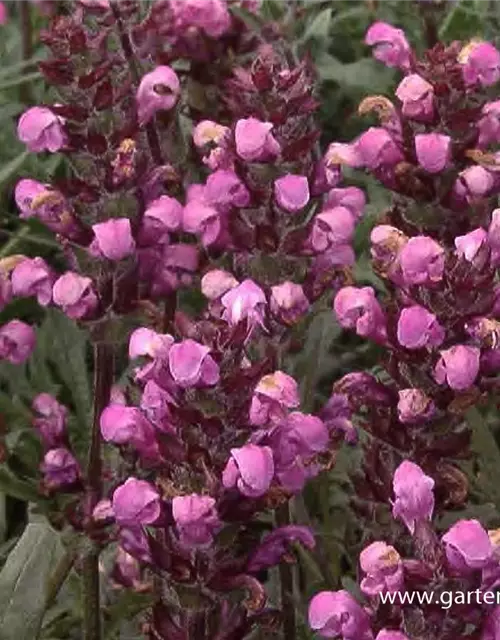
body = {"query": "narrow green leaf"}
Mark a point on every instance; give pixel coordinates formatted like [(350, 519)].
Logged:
[(14, 82), (9, 170), (23, 581), (486, 449), (319, 28), (12, 486)]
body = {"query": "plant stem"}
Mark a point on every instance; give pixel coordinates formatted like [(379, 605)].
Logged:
[(286, 581), (103, 380)]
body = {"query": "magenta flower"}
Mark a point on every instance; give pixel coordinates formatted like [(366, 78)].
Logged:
[(159, 90), (489, 125), (113, 239), (254, 140), (250, 469), (377, 148), (75, 295), (417, 96), (196, 520), (41, 130), (17, 341), (216, 283), (433, 151), (386, 245), (494, 236), (480, 63), (335, 614), (458, 367), (418, 328), (275, 546), (161, 216), (210, 16), (36, 200), (472, 184), (414, 406), (59, 468), (422, 261), (332, 228), (207, 131), (135, 503), (291, 192), (273, 396), (338, 154), (192, 366), (135, 541), (224, 189), (33, 277), (383, 569), (351, 198), (246, 301), (126, 425), (473, 247), (155, 403), (146, 342), (288, 302), (491, 630), (387, 634), (202, 220), (414, 497), (358, 309), (51, 419), (391, 45), (468, 546)]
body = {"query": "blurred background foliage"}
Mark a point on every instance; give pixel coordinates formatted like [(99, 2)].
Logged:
[(330, 32)]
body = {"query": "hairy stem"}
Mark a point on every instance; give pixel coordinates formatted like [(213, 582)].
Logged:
[(103, 380), (286, 581)]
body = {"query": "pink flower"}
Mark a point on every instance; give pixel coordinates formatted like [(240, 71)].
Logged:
[(196, 520), (123, 425), (216, 283), (273, 396), (41, 130), (254, 141), (135, 503), (33, 277), (332, 228), (335, 614), (250, 469), (351, 198), (383, 569), (473, 183), (417, 96), (113, 239), (391, 45), (489, 124), (4, 16), (377, 148), (211, 16), (202, 220), (59, 468), (224, 189), (473, 247), (357, 308), (414, 497), (480, 63), (146, 342), (207, 131), (468, 546), (161, 216), (159, 90), (494, 236), (288, 302), (386, 245), (414, 406), (291, 192), (244, 302), (458, 367), (387, 634), (191, 366), (17, 341), (276, 545), (75, 295), (51, 419), (422, 261), (433, 151), (418, 328)]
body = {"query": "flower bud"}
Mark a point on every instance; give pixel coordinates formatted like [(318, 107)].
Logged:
[(480, 63), (383, 568), (250, 469), (244, 302), (418, 328), (113, 239), (59, 468), (136, 503), (275, 546), (417, 96), (414, 406), (422, 261), (158, 90), (377, 148), (210, 16), (51, 420), (458, 367), (41, 130), (33, 277), (291, 192), (433, 151), (191, 366), (196, 520), (17, 341), (467, 546), (332, 228), (357, 308), (75, 295), (391, 45), (288, 302), (336, 614), (272, 397), (414, 497), (254, 140)]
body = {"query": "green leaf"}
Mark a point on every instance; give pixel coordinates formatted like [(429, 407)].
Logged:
[(12, 486), (23, 581), (486, 449), (14, 82), (11, 169), (128, 605), (319, 28), (365, 74)]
